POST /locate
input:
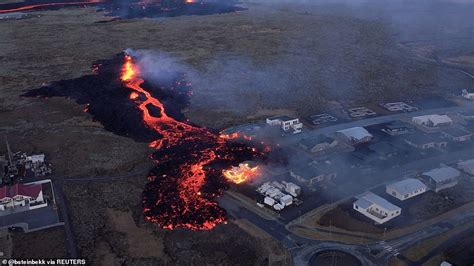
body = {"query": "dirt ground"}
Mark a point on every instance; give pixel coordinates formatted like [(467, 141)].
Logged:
[(48, 243)]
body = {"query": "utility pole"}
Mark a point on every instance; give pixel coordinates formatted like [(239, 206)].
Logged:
[(9, 152)]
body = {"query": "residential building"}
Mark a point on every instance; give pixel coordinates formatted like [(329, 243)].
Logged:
[(20, 195), (311, 175), (406, 189), (467, 166), (432, 120), (441, 178), (356, 135), (286, 122), (468, 93), (376, 208), (318, 143), (466, 115), (426, 141), (397, 128), (457, 134)]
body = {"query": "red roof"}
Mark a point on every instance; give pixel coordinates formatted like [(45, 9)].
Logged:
[(3, 192), (20, 190)]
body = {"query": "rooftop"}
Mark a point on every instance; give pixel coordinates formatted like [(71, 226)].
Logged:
[(436, 119), (442, 174), (20, 190), (397, 125), (407, 186), (457, 132), (306, 171), (363, 203), (282, 117), (355, 132), (377, 200)]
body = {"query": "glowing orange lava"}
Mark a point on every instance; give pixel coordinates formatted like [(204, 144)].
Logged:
[(30, 7), (192, 176)]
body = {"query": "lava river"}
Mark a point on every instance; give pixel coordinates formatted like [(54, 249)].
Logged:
[(183, 185)]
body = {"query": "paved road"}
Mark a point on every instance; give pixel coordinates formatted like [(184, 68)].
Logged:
[(303, 249), (378, 120)]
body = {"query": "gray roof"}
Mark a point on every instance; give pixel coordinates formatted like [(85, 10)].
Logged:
[(442, 174), (407, 186), (283, 117), (397, 125), (371, 197), (457, 132), (355, 132), (363, 203)]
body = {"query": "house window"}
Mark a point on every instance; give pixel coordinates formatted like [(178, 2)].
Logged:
[(357, 207)]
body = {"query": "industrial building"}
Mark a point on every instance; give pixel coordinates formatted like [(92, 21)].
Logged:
[(376, 208), (274, 196), (20, 195), (432, 120), (318, 143), (441, 178), (396, 128), (406, 189), (355, 135), (467, 166), (426, 141), (468, 93), (457, 134), (286, 122)]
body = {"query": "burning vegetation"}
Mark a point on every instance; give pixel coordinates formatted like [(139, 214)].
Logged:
[(131, 8), (189, 160)]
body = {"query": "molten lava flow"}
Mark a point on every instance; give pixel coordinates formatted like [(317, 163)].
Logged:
[(182, 186), (241, 173), (45, 5)]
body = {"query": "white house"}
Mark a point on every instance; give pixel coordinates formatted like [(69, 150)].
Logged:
[(432, 120), (468, 93), (286, 122), (406, 189), (467, 166), (20, 195), (356, 135), (441, 178), (376, 208)]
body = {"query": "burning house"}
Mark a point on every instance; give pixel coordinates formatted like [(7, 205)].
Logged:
[(383, 149), (241, 173)]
